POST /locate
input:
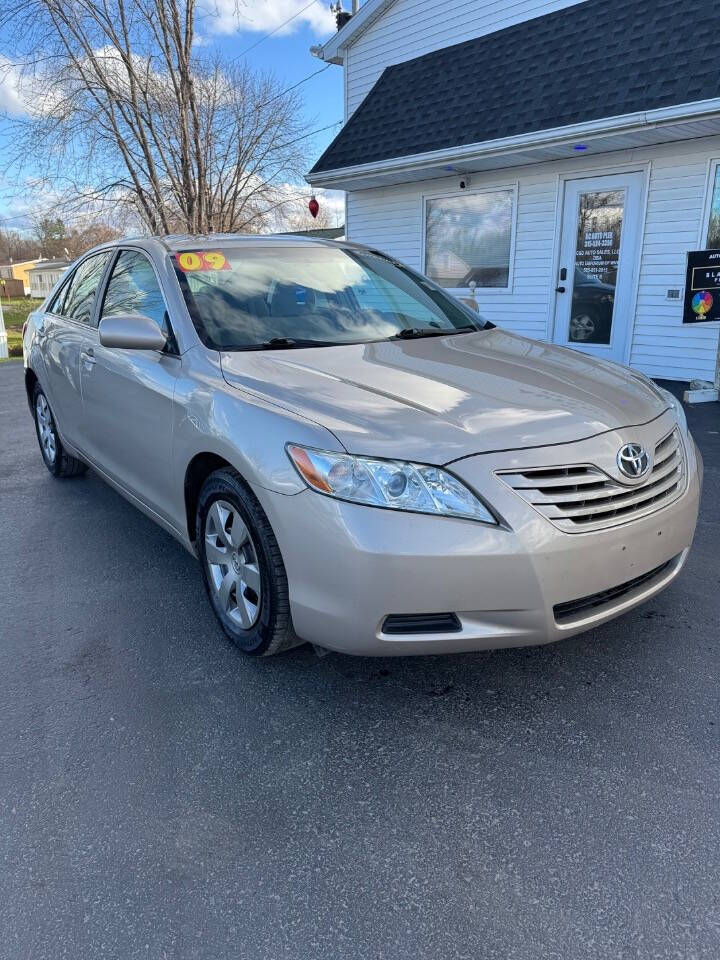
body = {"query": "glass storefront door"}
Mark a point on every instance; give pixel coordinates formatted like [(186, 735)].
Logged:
[(598, 264)]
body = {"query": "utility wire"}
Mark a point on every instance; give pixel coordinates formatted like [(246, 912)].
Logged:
[(279, 27), (293, 87), (289, 143)]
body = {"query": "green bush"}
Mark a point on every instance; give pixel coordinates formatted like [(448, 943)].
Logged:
[(15, 312)]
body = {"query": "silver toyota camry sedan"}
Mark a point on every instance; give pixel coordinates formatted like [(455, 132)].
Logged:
[(356, 458)]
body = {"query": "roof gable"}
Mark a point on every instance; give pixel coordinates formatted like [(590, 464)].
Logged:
[(598, 59), (333, 49)]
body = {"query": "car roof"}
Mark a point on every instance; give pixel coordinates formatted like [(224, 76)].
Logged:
[(172, 243), (188, 241)]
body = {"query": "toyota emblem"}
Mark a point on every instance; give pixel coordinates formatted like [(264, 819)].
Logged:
[(633, 461)]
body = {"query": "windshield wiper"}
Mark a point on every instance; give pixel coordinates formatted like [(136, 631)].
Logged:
[(415, 333), (287, 343)]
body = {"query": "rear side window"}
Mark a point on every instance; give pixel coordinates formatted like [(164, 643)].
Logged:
[(57, 302), (75, 301), (133, 288)]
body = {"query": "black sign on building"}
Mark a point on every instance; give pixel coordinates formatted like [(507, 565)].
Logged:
[(702, 287)]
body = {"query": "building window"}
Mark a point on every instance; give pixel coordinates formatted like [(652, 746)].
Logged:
[(468, 237), (713, 234)]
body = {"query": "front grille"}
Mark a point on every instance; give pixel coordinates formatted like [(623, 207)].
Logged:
[(583, 497), (574, 609), (407, 623)]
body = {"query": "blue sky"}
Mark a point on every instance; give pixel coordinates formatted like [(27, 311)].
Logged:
[(236, 27), (287, 52)]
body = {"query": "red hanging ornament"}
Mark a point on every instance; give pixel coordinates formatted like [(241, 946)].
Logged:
[(313, 207)]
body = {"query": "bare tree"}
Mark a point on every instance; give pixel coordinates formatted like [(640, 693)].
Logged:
[(16, 247), (298, 217), (81, 238), (124, 112)]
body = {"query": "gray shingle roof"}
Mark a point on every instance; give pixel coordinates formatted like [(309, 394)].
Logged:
[(49, 265), (597, 59)]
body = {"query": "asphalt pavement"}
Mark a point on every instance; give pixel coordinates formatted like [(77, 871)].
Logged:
[(163, 797)]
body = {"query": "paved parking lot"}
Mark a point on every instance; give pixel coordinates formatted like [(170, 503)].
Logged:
[(161, 797)]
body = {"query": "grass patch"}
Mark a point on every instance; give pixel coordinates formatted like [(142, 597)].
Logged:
[(15, 311)]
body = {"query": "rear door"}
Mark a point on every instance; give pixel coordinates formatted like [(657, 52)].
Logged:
[(128, 394), (66, 329)]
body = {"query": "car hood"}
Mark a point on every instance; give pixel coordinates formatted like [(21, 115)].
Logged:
[(437, 399)]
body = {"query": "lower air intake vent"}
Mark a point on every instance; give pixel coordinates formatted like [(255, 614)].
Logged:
[(421, 623), (575, 609)]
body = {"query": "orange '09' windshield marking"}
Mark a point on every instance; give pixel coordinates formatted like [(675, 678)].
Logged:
[(190, 261)]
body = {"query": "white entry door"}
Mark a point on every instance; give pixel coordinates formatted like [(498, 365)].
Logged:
[(599, 258)]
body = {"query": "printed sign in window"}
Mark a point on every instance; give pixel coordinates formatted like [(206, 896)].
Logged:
[(702, 288), (597, 256)]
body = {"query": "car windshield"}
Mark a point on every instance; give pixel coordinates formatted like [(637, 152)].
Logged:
[(244, 298)]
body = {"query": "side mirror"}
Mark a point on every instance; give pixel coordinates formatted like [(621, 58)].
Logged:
[(131, 331)]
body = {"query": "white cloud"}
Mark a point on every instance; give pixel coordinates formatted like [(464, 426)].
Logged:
[(11, 99), (22, 200), (288, 208), (333, 202), (25, 91), (25, 200), (262, 16)]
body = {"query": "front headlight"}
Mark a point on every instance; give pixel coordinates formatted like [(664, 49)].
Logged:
[(676, 406), (669, 398), (392, 484)]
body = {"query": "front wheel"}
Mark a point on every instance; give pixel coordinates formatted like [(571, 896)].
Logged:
[(57, 459), (242, 567)]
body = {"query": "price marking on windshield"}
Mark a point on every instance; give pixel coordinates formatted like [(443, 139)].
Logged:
[(191, 262), (215, 260)]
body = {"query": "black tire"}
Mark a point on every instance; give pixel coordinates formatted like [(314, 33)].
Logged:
[(60, 464), (273, 631)]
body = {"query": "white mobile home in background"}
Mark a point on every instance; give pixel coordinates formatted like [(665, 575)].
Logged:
[(44, 275)]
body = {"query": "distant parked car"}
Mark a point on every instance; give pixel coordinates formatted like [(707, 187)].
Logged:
[(356, 458)]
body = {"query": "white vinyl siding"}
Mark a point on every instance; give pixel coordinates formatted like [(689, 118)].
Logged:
[(411, 28), (42, 282), (391, 219), (674, 224)]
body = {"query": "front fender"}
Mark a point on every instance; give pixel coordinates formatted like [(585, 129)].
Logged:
[(250, 433)]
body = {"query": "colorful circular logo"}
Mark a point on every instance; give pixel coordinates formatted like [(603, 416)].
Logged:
[(702, 303)]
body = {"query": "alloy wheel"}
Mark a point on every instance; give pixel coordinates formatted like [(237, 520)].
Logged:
[(232, 563), (46, 428)]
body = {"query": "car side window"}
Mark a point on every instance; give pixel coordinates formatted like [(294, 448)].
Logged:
[(77, 303), (57, 302), (134, 288)]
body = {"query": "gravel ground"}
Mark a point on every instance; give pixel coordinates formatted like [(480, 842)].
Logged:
[(162, 797)]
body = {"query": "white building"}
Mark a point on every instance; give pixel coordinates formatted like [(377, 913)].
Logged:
[(44, 275), (561, 155)]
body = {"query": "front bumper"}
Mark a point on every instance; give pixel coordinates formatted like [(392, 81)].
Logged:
[(350, 566)]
